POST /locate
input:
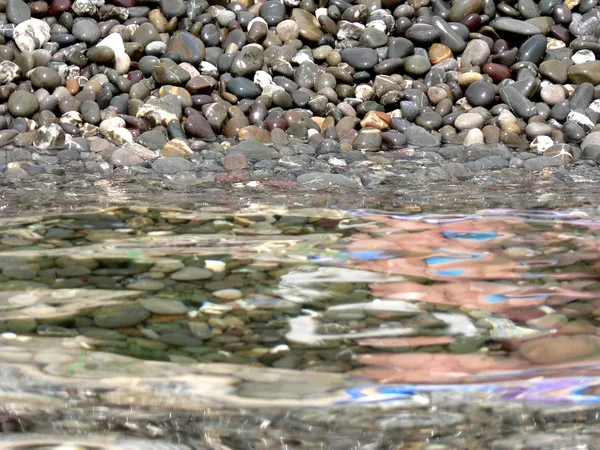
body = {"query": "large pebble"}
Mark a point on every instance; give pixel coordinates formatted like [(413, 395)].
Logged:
[(23, 104), (31, 35)]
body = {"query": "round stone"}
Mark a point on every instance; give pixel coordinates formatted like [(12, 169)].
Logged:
[(188, 47), (17, 11), (480, 93), (101, 55), (552, 94), (192, 274), (416, 65), (360, 58), (45, 78), (248, 61), (438, 53), (23, 104), (86, 30), (429, 120), (468, 121)]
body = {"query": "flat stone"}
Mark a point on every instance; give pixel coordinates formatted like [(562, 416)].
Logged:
[(189, 48), (17, 11), (254, 151), (420, 137), (318, 180), (172, 165), (360, 58), (588, 72), (243, 88), (555, 350), (308, 25), (192, 274), (515, 26), (119, 316)]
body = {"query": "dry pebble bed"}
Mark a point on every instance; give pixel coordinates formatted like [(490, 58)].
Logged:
[(308, 94)]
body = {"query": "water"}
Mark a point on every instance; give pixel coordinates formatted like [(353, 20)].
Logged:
[(263, 327)]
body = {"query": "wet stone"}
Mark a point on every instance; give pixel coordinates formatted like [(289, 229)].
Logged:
[(118, 316), (23, 104), (360, 58), (243, 88), (86, 30)]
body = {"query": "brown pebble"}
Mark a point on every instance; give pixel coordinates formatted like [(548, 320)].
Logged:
[(438, 53), (554, 350), (235, 161), (497, 72), (376, 119), (254, 133), (72, 86), (38, 8)]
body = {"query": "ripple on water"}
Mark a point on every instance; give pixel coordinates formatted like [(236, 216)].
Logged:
[(432, 324)]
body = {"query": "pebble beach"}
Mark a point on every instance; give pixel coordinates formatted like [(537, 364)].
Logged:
[(299, 93)]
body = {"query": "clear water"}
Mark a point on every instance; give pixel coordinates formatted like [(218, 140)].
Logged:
[(265, 327)]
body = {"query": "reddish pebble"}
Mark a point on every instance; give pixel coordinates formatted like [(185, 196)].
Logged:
[(231, 177), (235, 161), (135, 76), (277, 123), (561, 33), (135, 132), (497, 72), (280, 184), (124, 3), (472, 22), (38, 8), (500, 46), (59, 6), (234, 25)]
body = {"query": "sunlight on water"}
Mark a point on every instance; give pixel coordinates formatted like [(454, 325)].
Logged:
[(299, 329)]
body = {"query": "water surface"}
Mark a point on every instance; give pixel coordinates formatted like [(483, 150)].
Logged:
[(274, 328)]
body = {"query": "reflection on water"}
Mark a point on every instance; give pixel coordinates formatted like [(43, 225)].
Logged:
[(163, 328)]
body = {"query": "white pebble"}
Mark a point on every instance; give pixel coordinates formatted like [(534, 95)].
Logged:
[(595, 106), (110, 124), (474, 136), (506, 116), (337, 162), (364, 92), (262, 78), (583, 56), (580, 119), (468, 121), (114, 41), (302, 57), (31, 34), (209, 69), (541, 143), (320, 12), (122, 63), (119, 136)]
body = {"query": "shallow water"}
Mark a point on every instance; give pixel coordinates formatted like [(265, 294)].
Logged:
[(276, 328)]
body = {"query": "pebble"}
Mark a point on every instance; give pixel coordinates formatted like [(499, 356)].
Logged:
[(337, 78)]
